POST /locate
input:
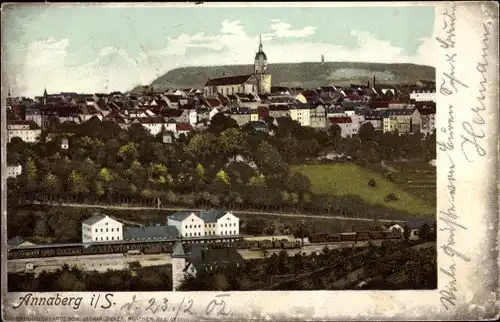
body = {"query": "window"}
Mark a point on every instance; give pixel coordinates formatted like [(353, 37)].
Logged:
[(117, 229), (186, 227), (101, 230), (106, 229), (106, 237), (190, 226), (101, 238), (96, 230), (96, 238), (112, 238), (112, 229)]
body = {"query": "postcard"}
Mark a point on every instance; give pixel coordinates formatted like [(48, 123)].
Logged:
[(250, 161)]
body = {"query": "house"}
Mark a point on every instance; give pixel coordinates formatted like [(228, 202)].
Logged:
[(318, 117), (302, 114), (260, 126), (28, 131), (220, 223), (64, 144), (212, 113), (277, 111), (241, 115), (346, 125), (34, 115), (414, 227), (201, 259), (101, 228), (14, 171), (183, 128), (187, 223), (428, 116), (428, 95), (18, 242), (403, 121)]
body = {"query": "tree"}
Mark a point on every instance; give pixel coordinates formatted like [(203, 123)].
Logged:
[(223, 177), (269, 160), (220, 123), (231, 141), (366, 132), (372, 183), (391, 197), (334, 131)]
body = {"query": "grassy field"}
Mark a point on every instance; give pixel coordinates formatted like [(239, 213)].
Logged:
[(418, 178), (350, 179)]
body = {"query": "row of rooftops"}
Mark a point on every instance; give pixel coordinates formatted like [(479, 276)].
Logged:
[(176, 95)]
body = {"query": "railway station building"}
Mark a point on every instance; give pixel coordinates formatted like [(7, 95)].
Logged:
[(99, 228)]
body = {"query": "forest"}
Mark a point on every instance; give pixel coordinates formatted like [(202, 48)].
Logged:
[(105, 164)]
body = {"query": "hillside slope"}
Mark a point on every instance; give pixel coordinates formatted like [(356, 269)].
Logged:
[(302, 74)]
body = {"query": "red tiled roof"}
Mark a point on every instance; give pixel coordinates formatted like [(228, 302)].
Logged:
[(170, 113), (213, 102), (340, 120), (33, 125), (173, 98), (309, 93), (426, 111), (232, 80), (380, 104), (183, 127)]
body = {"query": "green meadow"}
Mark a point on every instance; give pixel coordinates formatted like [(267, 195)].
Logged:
[(350, 179)]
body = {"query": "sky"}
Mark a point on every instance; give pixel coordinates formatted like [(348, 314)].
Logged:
[(103, 49)]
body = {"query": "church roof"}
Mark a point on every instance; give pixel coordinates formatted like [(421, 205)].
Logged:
[(231, 80), (259, 54)]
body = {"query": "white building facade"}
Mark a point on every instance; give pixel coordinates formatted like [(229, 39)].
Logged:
[(227, 225), (423, 96), (188, 224), (14, 171), (101, 228), (24, 131)]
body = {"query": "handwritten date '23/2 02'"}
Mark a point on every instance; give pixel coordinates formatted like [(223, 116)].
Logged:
[(216, 307)]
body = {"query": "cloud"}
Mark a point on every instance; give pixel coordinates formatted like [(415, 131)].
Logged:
[(45, 63), (283, 30)]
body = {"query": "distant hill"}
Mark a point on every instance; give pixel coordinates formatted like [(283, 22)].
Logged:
[(302, 74)]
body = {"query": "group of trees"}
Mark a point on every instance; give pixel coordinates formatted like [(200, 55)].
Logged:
[(107, 165), (392, 265), (154, 279)]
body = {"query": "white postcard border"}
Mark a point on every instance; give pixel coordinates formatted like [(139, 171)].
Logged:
[(476, 204)]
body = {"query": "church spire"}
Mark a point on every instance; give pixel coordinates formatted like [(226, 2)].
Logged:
[(261, 48)]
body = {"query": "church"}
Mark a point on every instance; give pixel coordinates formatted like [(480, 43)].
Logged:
[(258, 82)]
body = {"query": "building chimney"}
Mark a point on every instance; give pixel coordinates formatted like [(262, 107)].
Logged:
[(373, 80), (368, 84)]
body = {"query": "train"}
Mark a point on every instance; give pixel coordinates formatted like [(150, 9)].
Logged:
[(84, 250), (166, 246), (355, 236)]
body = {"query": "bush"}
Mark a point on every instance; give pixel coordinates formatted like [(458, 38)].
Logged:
[(389, 177), (391, 197), (372, 183)]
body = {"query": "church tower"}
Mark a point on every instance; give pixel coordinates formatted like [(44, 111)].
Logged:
[(44, 98), (178, 265), (260, 70)]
